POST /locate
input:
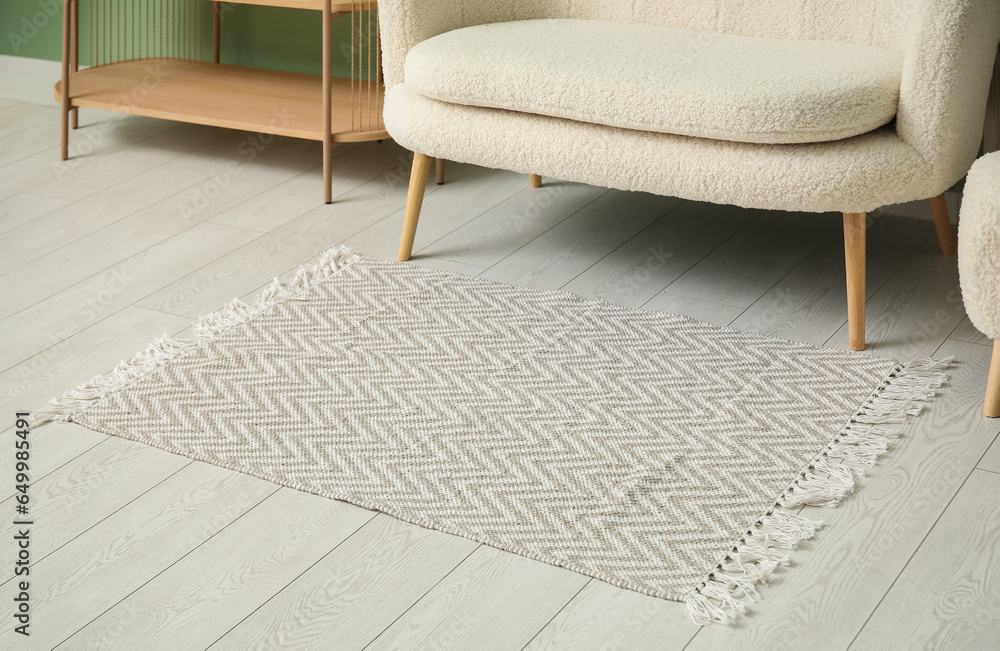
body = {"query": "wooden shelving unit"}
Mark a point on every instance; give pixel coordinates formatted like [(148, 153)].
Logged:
[(189, 89)]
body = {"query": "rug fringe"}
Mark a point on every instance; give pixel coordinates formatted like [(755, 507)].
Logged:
[(724, 595), (166, 348)]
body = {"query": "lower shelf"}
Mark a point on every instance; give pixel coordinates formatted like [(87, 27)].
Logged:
[(215, 94)]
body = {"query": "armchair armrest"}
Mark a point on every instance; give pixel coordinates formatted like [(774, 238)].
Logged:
[(405, 23), (950, 52)]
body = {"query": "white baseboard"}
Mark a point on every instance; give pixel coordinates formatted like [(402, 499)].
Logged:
[(922, 209), (29, 80)]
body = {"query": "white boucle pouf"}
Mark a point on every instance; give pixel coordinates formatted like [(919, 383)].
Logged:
[(979, 261)]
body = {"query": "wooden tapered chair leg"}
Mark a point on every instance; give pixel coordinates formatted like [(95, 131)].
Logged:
[(414, 199), (854, 250), (939, 208), (991, 407), (535, 181), (439, 171)]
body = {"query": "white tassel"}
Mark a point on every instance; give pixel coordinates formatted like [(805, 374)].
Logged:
[(824, 482), (158, 353)]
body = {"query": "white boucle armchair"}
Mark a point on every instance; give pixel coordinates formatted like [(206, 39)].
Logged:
[(979, 262), (798, 105)]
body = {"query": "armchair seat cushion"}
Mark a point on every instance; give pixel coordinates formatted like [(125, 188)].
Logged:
[(663, 79)]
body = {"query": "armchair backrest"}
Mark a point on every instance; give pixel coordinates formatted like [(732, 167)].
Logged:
[(891, 24), (868, 22)]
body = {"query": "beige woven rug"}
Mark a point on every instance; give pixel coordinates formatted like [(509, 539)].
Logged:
[(649, 450)]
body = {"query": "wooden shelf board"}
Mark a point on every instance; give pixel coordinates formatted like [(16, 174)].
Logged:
[(316, 5), (215, 94)]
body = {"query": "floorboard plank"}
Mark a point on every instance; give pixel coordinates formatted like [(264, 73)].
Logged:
[(88, 489), (161, 191), (991, 460), (96, 149), (118, 150), (24, 208), (295, 197), (28, 141), (949, 595), (52, 446), (493, 600), (52, 320), (748, 264), (967, 332), (92, 351), (209, 591), (572, 246), (352, 594), (20, 116), (107, 563), (250, 266), (717, 313), (96, 252), (639, 269), (604, 617), (503, 229)]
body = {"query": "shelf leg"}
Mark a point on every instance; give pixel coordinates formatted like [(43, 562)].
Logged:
[(327, 105), (75, 54), (67, 12)]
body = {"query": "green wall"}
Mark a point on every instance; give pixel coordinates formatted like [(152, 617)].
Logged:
[(264, 37), (19, 20)]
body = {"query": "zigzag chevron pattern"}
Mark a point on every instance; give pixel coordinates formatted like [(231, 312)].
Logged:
[(632, 446)]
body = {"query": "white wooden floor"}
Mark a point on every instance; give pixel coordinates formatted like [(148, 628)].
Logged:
[(155, 223)]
